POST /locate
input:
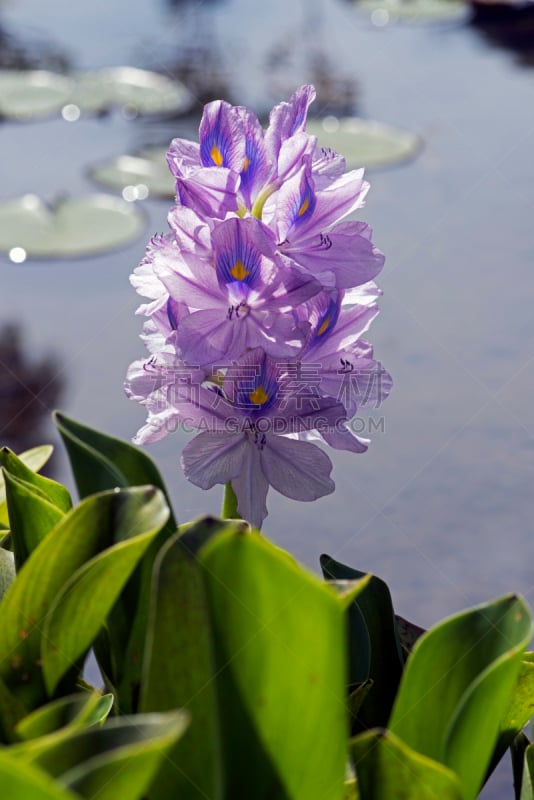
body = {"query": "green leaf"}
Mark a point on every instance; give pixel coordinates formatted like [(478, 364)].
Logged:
[(280, 659), (11, 712), (387, 769), (372, 627), (84, 602), (408, 633), (458, 683), (80, 710), (52, 491), (102, 462), (517, 753), (96, 524), (7, 570), (519, 711), (22, 782), (179, 670), (35, 459), (72, 227), (527, 785), (32, 517), (117, 760)]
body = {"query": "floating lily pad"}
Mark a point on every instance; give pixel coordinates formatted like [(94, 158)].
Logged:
[(30, 94), (385, 11), (136, 90), (141, 174), (73, 227), (365, 143)]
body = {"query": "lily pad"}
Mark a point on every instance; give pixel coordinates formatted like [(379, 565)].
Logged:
[(138, 91), (365, 143), (140, 175), (71, 228), (385, 11), (29, 94)]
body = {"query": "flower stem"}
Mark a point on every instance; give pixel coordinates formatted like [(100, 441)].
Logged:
[(229, 507)]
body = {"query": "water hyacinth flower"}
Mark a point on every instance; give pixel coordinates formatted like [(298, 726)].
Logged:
[(257, 299)]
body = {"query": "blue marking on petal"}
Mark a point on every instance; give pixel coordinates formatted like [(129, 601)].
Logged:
[(258, 392), (304, 204), (327, 320), (253, 160), (239, 263), (216, 140), (172, 313)]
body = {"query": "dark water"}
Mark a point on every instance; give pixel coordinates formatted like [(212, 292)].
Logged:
[(442, 504)]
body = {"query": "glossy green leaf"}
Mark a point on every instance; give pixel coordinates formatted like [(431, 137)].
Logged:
[(72, 227), (74, 712), (35, 459), (372, 626), (458, 683), (32, 517), (101, 462), (365, 143), (7, 570), (280, 658), (54, 492), (145, 173), (85, 601), (179, 670), (95, 525), (22, 782), (520, 710), (387, 769), (116, 760)]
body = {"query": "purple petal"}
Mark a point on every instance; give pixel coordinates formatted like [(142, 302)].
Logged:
[(256, 168), (221, 137), (287, 119), (295, 205), (344, 439), (239, 245), (182, 157), (251, 487), (214, 457), (350, 257), (296, 469), (212, 191)]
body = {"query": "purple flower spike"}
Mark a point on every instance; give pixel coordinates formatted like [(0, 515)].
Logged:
[(257, 301)]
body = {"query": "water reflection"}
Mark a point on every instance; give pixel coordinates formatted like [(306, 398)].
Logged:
[(36, 54), (197, 59), (29, 390), (510, 29)]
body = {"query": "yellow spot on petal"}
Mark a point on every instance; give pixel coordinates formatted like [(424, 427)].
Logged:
[(238, 271), (259, 396), (324, 326), (304, 207), (216, 156), (246, 164)]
